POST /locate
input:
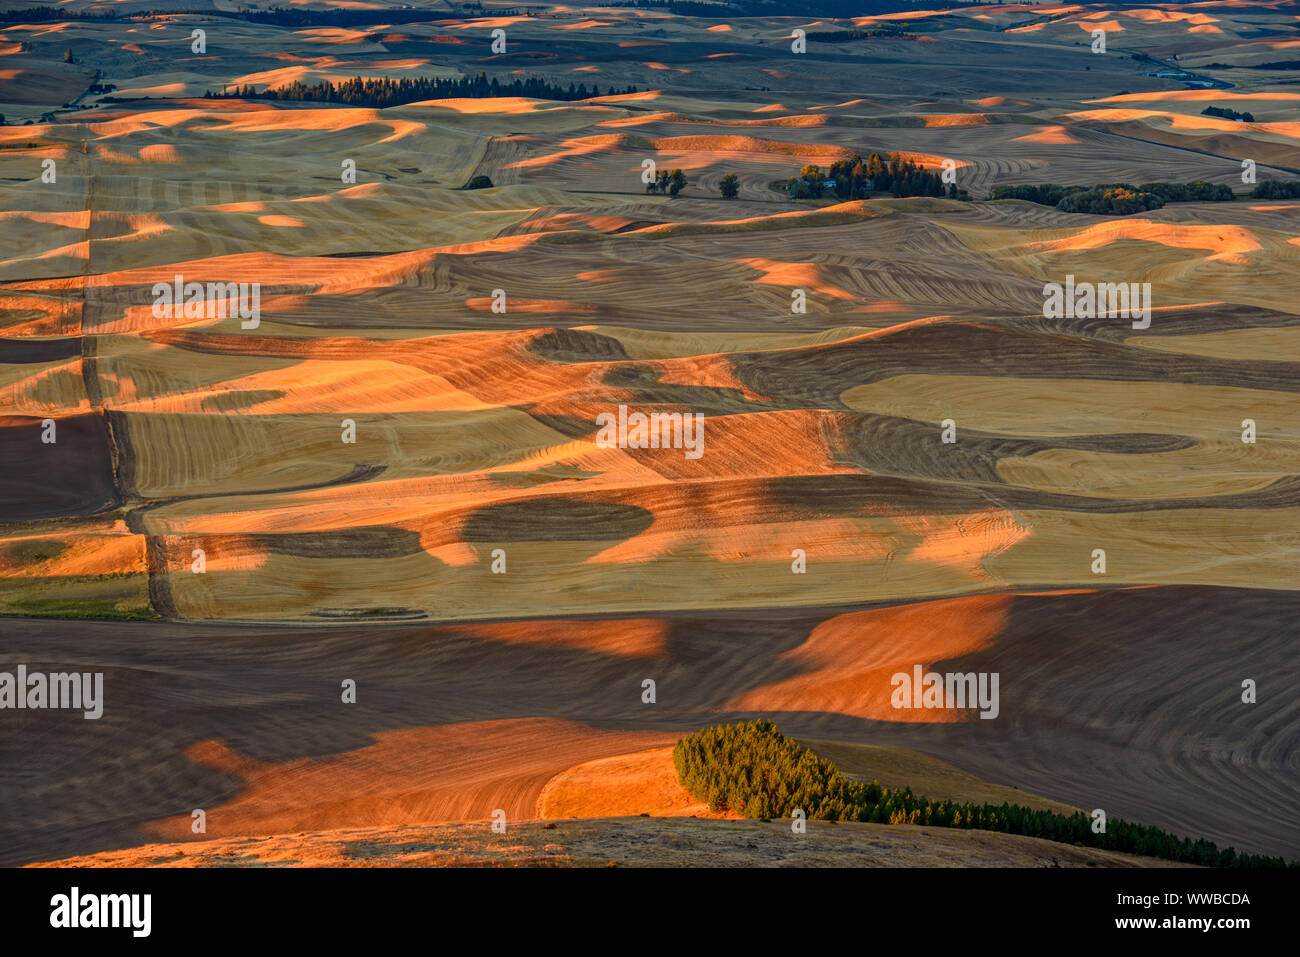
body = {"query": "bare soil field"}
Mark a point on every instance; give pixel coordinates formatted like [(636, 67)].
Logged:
[(452, 722)]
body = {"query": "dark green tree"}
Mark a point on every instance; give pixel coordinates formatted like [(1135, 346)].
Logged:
[(1276, 189), (754, 769), (815, 178)]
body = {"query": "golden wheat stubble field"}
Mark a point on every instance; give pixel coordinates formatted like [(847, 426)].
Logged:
[(394, 473)]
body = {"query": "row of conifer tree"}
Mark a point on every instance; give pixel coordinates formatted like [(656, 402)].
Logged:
[(380, 92), (754, 769)]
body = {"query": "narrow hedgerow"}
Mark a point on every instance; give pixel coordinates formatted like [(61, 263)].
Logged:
[(754, 769)]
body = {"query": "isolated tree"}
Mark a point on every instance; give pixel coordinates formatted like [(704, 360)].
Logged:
[(479, 182), (67, 56), (729, 187), (676, 182)]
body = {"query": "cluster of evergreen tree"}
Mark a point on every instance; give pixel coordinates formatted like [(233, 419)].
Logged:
[(1197, 191), (275, 16), (1045, 194), (301, 17), (381, 92), (683, 8), (1117, 199), (1276, 189), (754, 769), (855, 178), (845, 36), (43, 14), (1272, 65), (1227, 114), (840, 9), (671, 182)]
